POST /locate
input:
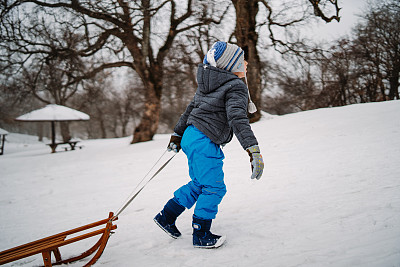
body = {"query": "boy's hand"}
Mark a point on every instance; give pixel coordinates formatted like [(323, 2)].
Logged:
[(257, 163), (174, 143)]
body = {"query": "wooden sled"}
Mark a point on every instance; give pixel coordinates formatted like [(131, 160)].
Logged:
[(52, 243)]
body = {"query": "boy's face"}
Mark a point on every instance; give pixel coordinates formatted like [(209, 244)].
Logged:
[(242, 74)]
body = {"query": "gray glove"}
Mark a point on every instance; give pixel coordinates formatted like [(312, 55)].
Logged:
[(257, 163)]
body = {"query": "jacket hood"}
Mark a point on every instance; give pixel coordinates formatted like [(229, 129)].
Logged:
[(210, 78)]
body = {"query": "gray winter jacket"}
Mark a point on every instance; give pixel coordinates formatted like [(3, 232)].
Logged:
[(219, 108)]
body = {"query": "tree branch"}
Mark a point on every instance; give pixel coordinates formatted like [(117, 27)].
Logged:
[(319, 13), (76, 6), (96, 70)]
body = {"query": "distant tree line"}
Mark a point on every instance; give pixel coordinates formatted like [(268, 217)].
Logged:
[(361, 68), (72, 53)]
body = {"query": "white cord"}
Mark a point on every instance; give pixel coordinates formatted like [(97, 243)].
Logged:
[(252, 107)]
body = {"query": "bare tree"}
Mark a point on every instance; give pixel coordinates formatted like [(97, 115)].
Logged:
[(181, 88), (366, 67), (377, 43), (14, 102), (181, 63), (114, 107), (339, 74), (247, 32), (41, 59), (127, 30)]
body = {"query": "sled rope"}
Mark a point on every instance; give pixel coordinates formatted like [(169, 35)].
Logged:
[(136, 191)]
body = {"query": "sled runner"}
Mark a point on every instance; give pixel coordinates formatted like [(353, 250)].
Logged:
[(52, 243)]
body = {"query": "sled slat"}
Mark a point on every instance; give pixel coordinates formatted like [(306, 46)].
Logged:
[(52, 243), (26, 251)]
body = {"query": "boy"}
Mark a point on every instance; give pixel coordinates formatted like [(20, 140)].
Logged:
[(218, 110)]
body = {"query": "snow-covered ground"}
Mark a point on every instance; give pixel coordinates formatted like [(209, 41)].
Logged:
[(329, 196)]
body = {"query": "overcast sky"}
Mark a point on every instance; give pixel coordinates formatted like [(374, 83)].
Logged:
[(348, 13)]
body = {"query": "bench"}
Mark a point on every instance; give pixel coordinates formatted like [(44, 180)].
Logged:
[(51, 244), (66, 148), (72, 145)]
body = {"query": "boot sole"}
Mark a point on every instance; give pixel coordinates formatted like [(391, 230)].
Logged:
[(168, 233), (219, 243)]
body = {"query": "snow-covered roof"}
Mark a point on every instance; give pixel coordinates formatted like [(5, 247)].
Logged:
[(2, 131), (54, 112)]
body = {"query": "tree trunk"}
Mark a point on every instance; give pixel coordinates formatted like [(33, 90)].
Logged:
[(40, 131), (148, 125), (247, 38), (65, 133), (124, 125), (103, 128), (394, 82)]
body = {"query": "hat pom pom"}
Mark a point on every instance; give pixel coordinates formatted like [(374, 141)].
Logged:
[(252, 107)]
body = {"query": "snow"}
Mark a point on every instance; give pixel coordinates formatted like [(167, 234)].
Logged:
[(2, 131), (53, 112), (329, 196)]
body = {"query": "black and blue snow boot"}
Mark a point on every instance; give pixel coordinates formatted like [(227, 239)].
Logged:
[(167, 217), (202, 237)]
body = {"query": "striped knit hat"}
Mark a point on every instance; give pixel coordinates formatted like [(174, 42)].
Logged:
[(225, 56)]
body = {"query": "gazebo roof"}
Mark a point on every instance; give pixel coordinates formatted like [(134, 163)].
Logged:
[(2, 131), (54, 112)]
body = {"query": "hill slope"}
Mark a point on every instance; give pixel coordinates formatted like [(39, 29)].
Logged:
[(329, 196)]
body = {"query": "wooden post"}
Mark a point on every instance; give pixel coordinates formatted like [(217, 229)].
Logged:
[(57, 254), (46, 258), (53, 132), (3, 139)]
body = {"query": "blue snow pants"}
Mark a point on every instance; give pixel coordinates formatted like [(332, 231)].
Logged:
[(207, 186)]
